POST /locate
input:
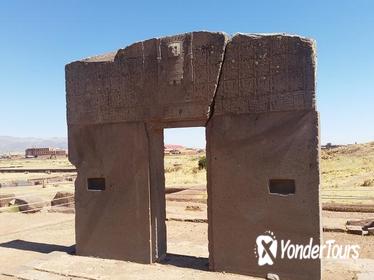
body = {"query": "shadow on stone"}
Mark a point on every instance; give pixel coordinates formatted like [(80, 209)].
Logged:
[(37, 247), (186, 261)]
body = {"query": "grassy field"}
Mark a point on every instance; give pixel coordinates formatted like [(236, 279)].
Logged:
[(59, 162), (183, 170), (31, 163), (347, 172)]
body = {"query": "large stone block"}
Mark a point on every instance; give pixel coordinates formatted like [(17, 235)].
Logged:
[(112, 190), (168, 79), (245, 153), (267, 73), (255, 94)]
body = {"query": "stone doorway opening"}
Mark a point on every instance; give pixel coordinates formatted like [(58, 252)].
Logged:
[(185, 172)]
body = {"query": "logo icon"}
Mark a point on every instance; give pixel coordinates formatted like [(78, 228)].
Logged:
[(266, 248)]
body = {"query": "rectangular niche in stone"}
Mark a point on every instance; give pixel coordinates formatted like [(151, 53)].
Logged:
[(282, 186), (96, 184)]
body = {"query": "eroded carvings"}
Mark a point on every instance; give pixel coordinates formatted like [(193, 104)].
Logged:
[(178, 77)]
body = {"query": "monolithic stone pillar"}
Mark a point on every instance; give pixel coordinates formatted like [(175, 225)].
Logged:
[(157, 191), (112, 190), (263, 156)]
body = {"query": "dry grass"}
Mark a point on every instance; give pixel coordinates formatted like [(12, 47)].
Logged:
[(31, 163), (182, 170), (59, 162), (49, 183), (347, 172), (351, 165)]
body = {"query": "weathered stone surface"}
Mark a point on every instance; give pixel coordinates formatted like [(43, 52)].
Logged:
[(112, 223), (30, 204), (244, 153), (364, 223), (255, 94), (5, 199), (166, 79), (272, 276), (266, 73), (65, 199), (361, 227)]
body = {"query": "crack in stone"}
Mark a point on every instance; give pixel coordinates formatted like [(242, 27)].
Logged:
[(213, 102)]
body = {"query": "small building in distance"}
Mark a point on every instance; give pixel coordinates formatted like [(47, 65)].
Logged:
[(44, 152), (170, 149)]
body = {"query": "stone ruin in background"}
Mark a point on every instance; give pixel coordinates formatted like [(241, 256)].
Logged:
[(255, 94)]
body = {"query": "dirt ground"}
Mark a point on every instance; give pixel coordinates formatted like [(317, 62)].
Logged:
[(40, 246), (37, 246)]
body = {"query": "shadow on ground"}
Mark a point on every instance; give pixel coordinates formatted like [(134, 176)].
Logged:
[(37, 247), (186, 261)]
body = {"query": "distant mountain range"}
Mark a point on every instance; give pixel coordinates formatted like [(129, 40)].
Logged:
[(173, 146), (9, 144)]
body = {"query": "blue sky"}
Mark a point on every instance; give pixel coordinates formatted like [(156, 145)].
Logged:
[(37, 38)]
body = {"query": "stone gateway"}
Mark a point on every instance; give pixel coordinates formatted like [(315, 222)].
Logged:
[(254, 93)]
